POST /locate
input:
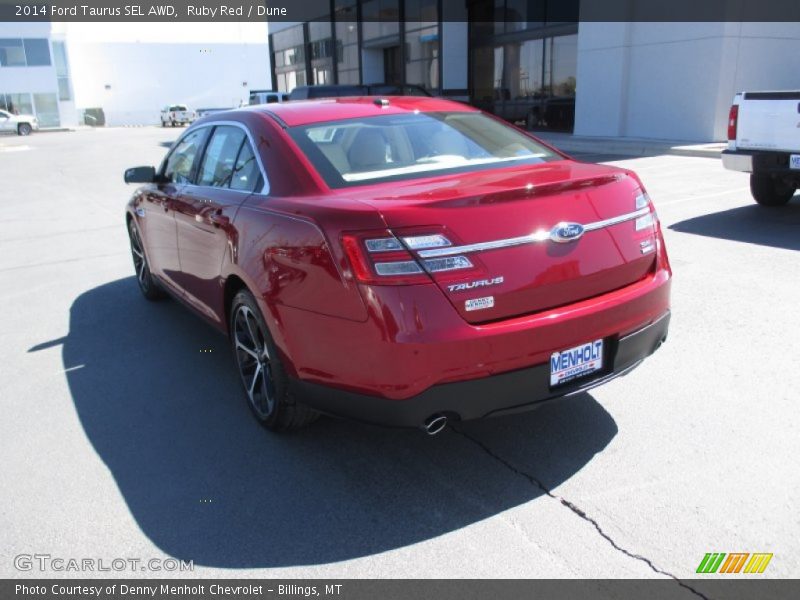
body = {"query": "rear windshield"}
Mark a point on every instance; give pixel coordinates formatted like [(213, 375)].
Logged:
[(399, 147)]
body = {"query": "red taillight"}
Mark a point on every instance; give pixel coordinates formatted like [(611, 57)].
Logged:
[(392, 265), (733, 118), (382, 258)]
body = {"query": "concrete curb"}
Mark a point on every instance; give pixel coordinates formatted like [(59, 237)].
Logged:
[(630, 147)]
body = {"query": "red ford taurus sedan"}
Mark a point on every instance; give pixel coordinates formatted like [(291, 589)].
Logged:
[(401, 260)]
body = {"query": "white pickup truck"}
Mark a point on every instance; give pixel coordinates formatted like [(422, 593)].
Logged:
[(20, 124), (177, 114), (764, 140)]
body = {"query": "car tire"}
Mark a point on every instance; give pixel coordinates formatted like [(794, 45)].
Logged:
[(24, 129), (147, 283), (261, 371), (769, 191)]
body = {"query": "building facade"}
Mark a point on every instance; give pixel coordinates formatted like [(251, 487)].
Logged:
[(35, 78), (534, 63), (127, 72)]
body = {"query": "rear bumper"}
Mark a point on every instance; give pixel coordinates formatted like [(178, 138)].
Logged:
[(765, 162), (515, 391)]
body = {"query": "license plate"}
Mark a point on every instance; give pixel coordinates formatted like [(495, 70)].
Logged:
[(576, 362), (794, 161)]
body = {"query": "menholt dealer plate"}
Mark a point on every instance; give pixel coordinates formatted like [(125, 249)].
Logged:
[(576, 362)]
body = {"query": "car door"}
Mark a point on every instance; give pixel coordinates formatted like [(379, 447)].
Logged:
[(158, 209), (227, 174), (6, 122)]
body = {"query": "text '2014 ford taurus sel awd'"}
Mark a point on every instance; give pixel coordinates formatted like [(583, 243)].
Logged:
[(401, 260)]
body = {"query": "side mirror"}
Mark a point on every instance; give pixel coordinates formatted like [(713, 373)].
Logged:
[(140, 175)]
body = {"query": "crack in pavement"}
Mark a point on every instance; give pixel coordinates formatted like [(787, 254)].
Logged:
[(577, 511)]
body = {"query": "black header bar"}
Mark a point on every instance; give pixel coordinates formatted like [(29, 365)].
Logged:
[(535, 11)]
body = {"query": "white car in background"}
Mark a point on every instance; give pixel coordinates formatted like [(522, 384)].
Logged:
[(19, 124), (177, 114)]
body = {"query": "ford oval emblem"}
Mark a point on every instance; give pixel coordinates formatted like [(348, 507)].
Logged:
[(566, 232)]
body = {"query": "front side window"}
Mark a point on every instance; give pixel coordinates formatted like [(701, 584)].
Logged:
[(399, 147), (219, 161), (178, 168)]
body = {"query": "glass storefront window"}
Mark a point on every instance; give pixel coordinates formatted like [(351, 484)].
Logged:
[(524, 69), (386, 10), (319, 30), (347, 32), (288, 38), (422, 58), (348, 57), (349, 77), (530, 82), (12, 53), (289, 58), (17, 104), (19, 52), (562, 65), (421, 13), (291, 79), (509, 16), (62, 71), (64, 92), (321, 51), (47, 110), (37, 52)]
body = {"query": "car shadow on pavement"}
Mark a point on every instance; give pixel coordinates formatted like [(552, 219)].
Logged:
[(778, 227), (158, 397)]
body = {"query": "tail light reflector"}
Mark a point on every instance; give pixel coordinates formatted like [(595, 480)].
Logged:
[(733, 119), (381, 258), (649, 220)]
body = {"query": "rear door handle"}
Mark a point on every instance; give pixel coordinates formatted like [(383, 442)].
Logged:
[(218, 219)]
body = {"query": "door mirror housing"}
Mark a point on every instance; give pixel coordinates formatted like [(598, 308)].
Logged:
[(140, 175)]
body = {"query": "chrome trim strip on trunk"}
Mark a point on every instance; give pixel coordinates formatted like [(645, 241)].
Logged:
[(533, 238)]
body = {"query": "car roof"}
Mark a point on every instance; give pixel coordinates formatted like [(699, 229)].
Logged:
[(306, 112)]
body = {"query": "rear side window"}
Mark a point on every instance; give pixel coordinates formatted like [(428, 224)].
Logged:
[(180, 161), (219, 161), (246, 174)]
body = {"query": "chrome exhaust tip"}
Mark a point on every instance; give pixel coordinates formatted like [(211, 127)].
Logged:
[(434, 424)]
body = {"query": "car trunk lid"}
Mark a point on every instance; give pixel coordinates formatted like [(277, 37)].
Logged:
[(521, 230)]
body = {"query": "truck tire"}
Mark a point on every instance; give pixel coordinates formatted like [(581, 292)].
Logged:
[(769, 191)]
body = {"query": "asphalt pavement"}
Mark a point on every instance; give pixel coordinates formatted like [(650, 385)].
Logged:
[(123, 432)]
